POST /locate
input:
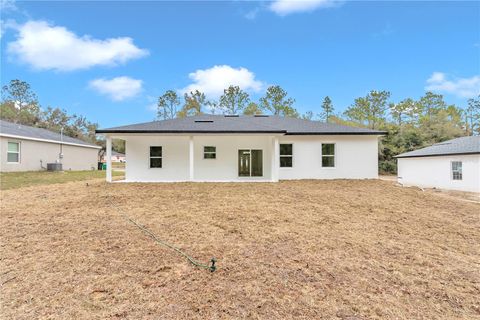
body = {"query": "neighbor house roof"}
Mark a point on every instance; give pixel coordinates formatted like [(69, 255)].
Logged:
[(459, 146), (117, 154), (241, 124), (19, 131)]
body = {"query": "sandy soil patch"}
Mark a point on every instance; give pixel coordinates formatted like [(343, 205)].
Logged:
[(299, 249)]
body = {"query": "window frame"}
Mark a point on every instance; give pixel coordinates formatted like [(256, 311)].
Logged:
[(18, 152), (328, 155), (453, 172), (210, 152), (284, 156), (150, 157)]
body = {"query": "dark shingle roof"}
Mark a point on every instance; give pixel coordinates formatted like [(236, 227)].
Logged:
[(26, 132), (463, 145), (240, 124)]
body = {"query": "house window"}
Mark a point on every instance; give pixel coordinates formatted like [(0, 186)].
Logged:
[(13, 152), (286, 155), (328, 155), (155, 157), (457, 170), (209, 152)]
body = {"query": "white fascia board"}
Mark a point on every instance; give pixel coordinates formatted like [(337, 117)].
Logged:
[(136, 134), (49, 141)]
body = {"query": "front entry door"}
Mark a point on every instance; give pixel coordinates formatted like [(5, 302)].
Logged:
[(250, 163)]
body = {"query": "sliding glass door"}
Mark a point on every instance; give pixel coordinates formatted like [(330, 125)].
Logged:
[(250, 163)]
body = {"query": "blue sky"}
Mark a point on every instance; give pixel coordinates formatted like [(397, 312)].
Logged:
[(110, 60)]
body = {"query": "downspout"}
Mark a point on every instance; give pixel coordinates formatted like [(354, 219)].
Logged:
[(60, 156)]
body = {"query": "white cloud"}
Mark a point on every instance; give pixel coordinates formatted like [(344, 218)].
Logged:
[(117, 89), (48, 47), (6, 25), (286, 7), (8, 5), (213, 81), (252, 14), (152, 107), (461, 87), (152, 103), (385, 32), (2, 28)]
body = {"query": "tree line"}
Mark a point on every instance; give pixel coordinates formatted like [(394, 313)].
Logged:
[(410, 123), (233, 101), (20, 105)]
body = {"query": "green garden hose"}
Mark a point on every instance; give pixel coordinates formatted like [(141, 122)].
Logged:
[(212, 267)]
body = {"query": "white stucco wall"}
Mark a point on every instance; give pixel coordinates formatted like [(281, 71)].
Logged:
[(175, 157), (435, 172), (356, 157), (32, 152), (174, 161), (226, 164)]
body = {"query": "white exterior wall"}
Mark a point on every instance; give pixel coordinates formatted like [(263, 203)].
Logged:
[(435, 172), (356, 157), (175, 165), (175, 157), (32, 152), (225, 167)]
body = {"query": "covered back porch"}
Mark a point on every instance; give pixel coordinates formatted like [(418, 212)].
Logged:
[(199, 157)]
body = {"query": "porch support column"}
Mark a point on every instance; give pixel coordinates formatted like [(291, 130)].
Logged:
[(109, 158), (190, 156), (275, 165)]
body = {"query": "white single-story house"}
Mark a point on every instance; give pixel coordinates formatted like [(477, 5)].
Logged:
[(116, 157), (25, 148), (451, 165), (221, 148)]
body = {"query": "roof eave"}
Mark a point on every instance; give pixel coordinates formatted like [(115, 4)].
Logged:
[(189, 131), (100, 131), (375, 133), (84, 145), (436, 155)]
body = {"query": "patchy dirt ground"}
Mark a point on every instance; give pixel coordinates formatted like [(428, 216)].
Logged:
[(465, 196), (299, 249)]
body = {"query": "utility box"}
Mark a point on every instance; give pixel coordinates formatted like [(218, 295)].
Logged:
[(54, 166)]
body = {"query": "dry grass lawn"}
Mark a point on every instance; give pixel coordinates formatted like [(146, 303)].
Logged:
[(291, 250), (20, 179)]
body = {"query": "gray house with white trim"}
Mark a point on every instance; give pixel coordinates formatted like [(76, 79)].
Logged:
[(25, 148)]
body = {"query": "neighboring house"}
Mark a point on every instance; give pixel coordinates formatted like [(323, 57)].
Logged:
[(25, 148), (116, 157), (453, 164), (244, 148)]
